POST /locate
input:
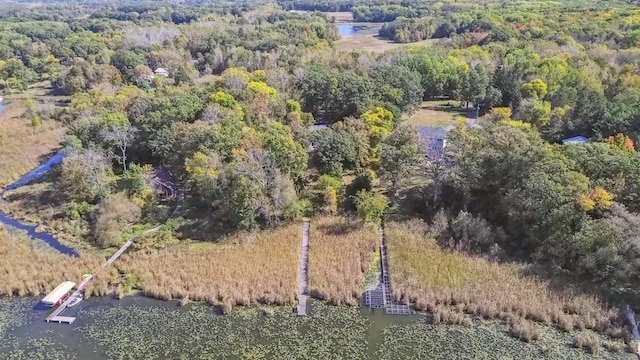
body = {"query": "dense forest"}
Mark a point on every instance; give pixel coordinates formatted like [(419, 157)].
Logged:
[(220, 100)]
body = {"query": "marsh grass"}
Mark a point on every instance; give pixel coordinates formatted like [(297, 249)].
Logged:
[(30, 270), (588, 340), (428, 277), (244, 269), (340, 253), (23, 146)]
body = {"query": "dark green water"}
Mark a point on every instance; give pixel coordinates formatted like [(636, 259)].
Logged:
[(142, 328)]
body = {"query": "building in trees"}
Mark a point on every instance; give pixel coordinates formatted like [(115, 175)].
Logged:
[(434, 139), (161, 72), (575, 140)]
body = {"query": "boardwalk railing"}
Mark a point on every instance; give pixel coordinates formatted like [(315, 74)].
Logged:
[(304, 261)]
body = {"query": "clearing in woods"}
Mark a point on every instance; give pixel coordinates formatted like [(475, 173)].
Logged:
[(436, 113), (373, 43)]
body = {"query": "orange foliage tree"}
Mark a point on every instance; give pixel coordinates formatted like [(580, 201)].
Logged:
[(621, 141)]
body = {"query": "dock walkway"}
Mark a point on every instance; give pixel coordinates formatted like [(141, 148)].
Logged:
[(304, 271), (380, 297), (55, 315)]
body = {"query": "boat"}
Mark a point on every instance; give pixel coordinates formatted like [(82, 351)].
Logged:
[(76, 300)]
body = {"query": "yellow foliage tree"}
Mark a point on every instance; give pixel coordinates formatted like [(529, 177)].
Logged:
[(501, 113), (262, 88), (379, 123), (596, 198)]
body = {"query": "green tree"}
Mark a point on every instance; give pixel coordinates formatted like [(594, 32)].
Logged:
[(289, 155), (126, 61), (401, 157), (370, 206)]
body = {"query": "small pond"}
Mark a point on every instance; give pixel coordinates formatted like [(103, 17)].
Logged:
[(356, 29)]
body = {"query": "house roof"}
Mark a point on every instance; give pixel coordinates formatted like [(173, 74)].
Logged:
[(433, 132), (161, 71), (319, 127), (575, 140)]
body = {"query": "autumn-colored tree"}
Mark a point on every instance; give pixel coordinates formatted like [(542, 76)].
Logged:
[(536, 89), (621, 141), (596, 198), (379, 124)]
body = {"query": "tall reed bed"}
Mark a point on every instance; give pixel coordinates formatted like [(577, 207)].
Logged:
[(22, 145), (27, 269), (340, 253), (244, 269), (431, 278)]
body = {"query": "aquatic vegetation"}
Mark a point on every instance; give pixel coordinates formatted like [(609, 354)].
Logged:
[(138, 327), (197, 332), (485, 340), (427, 276), (340, 253)]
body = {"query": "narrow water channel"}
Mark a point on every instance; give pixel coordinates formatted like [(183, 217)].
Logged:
[(12, 224)]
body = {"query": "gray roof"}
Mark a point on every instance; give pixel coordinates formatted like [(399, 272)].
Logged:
[(319, 127), (575, 140), (433, 132)]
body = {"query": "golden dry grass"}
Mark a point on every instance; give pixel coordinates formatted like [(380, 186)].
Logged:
[(372, 43), (340, 253), (429, 277), (23, 146), (246, 269), (26, 269)]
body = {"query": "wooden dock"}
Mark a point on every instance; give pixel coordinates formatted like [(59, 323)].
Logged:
[(380, 297), (55, 315), (302, 295)]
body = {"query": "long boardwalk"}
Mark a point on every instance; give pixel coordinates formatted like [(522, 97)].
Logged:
[(304, 271), (380, 297), (55, 315)]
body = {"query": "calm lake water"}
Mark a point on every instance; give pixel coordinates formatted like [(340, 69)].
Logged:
[(142, 328)]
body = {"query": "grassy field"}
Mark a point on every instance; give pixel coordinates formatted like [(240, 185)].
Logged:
[(455, 285), (23, 146), (372, 43), (246, 268), (340, 253), (436, 113)]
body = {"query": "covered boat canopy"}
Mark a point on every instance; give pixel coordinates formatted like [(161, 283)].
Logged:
[(58, 293)]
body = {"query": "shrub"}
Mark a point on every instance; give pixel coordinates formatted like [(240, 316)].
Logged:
[(370, 206), (615, 346), (75, 210), (525, 330), (297, 209), (113, 214), (588, 340)]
